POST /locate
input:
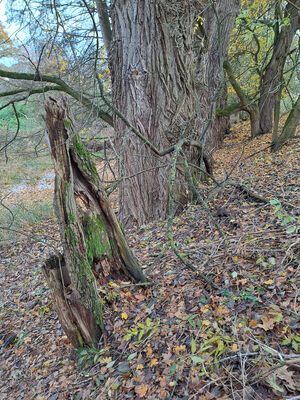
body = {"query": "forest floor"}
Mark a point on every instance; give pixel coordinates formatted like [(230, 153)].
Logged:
[(180, 338)]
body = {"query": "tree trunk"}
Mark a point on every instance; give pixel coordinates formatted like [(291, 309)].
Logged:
[(215, 32), (271, 78), (289, 128), (103, 15), (151, 62), (250, 106), (91, 236)]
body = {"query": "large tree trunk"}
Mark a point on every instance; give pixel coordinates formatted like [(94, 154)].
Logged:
[(272, 75), (219, 18), (289, 128), (91, 236), (151, 62)]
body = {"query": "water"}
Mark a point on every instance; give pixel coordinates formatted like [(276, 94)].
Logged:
[(46, 182)]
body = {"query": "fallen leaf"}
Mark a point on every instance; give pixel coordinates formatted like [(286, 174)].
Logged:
[(141, 390), (268, 323), (234, 347), (253, 323), (124, 315), (269, 282), (221, 310), (153, 362)]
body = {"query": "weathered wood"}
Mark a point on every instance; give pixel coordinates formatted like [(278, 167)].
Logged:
[(91, 236), (52, 270)]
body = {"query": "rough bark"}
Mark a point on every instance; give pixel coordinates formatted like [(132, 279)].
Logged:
[(289, 128), (151, 62), (215, 32), (272, 75), (91, 235)]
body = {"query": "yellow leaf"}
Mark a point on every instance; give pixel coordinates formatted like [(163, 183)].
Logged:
[(234, 347), (105, 360), (113, 284), (269, 282), (46, 363), (206, 322), (153, 362), (205, 308), (124, 315), (179, 349), (140, 367), (27, 340)]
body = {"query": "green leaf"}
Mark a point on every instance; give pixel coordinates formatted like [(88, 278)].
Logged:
[(277, 208), (197, 360), (272, 382), (286, 341), (131, 356), (291, 229), (173, 369), (275, 201), (193, 346), (110, 364), (297, 338), (115, 386), (278, 317), (141, 334), (295, 345), (148, 322)]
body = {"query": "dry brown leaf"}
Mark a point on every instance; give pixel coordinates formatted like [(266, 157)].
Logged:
[(141, 390), (221, 310), (268, 323)]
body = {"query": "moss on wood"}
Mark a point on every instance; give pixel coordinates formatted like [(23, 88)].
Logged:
[(87, 161), (96, 237)]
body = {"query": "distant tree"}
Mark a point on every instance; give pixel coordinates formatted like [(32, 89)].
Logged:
[(289, 129), (263, 61), (6, 46), (285, 29)]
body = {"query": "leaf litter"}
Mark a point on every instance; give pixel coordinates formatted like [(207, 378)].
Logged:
[(178, 338)]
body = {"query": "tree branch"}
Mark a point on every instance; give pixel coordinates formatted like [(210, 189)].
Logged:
[(64, 88)]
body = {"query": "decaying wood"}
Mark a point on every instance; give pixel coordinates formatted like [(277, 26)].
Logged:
[(91, 236)]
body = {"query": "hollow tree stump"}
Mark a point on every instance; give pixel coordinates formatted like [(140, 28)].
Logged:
[(91, 236)]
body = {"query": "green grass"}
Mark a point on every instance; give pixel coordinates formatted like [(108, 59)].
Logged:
[(26, 158), (26, 113)]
